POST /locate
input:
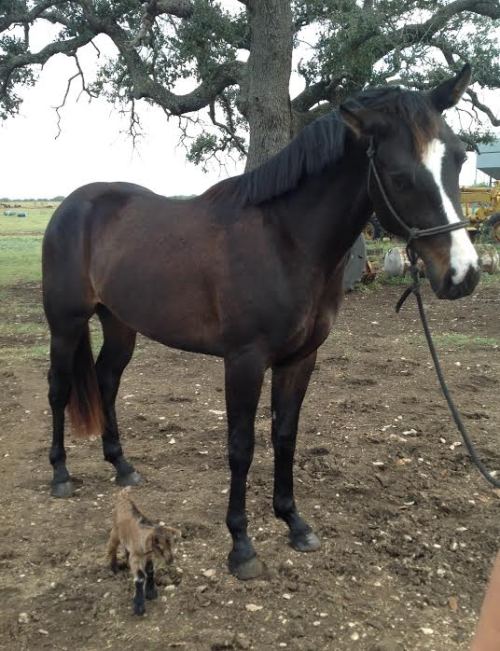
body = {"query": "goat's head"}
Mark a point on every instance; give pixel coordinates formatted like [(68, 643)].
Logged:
[(163, 539)]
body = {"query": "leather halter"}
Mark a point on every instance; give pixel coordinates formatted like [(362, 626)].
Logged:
[(412, 233)]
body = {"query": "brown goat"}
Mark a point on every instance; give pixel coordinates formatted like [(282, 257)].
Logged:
[(141, 538)]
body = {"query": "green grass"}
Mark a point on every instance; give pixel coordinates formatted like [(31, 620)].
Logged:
[(23, 330), (21, 244), (10, 355), (33, 224), (490, 280), (457, 340), (20, 258)]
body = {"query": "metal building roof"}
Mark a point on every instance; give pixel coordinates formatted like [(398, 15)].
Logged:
[(488, 159)]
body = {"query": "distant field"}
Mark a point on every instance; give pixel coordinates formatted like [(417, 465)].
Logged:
[(33, 224), (21, 242)]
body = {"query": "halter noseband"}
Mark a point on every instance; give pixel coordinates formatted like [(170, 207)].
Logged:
[(412, 233)]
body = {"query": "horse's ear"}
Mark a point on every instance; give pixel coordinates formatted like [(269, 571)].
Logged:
[(362, 121), (450, 91)]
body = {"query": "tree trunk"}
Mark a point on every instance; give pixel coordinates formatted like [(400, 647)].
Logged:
[(266, 102), (265, 99)]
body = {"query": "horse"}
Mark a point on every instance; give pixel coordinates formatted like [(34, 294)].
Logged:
[(250, 271)]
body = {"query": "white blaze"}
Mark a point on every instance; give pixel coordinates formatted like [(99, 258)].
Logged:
[(463, 256)]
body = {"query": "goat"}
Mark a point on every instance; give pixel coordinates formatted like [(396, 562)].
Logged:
[(141, 538)]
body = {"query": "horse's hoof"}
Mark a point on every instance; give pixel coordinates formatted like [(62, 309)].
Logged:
[(63, 489), (305, 541), (252, 568), (132, 479)]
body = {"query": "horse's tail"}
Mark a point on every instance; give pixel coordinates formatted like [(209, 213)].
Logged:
[(85, 406)]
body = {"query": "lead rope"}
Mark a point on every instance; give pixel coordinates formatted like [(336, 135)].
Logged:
[(414, 288)]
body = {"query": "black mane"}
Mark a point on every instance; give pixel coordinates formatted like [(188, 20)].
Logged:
[(321, 143)]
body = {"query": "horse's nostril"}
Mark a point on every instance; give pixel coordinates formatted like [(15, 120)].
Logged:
[(451, 290)]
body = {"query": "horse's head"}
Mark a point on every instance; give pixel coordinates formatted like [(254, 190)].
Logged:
[(416, 161)]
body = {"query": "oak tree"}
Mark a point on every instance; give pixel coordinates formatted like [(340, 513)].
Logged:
[(238, 55)]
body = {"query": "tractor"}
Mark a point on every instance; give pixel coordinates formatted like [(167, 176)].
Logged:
[(480, 206)]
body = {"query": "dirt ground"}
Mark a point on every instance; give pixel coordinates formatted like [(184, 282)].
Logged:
[(408, 527)]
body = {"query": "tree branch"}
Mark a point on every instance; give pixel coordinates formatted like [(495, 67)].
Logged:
[(482, 107), (323, 90), (179, 8), (155, 8), (69, 47), (423, 31), (79, 73), (144, 86), (25, 18), (228, 128)]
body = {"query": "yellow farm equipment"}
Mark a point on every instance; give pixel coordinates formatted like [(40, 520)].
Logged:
[(481, 207)]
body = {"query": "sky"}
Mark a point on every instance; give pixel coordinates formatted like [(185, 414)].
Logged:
[(93, 144)]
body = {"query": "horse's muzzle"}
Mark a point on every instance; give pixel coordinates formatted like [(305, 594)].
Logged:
[(451, 290)]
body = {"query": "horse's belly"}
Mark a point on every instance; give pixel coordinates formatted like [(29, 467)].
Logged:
[(176, 317)]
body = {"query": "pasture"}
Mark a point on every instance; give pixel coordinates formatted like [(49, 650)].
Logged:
[(408, 527)]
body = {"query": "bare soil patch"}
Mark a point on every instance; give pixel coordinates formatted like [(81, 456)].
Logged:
[(409, 529)]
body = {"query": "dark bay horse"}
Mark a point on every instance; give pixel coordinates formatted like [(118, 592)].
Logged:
[(250, 271)]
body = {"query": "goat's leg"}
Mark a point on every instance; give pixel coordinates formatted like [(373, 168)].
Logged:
[(113, 543), (137, 569), (151, 591)]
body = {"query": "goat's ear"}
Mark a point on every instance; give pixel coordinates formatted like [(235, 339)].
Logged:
[(362, 121), (448, 93)]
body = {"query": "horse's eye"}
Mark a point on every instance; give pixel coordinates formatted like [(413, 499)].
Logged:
[(401, 182)]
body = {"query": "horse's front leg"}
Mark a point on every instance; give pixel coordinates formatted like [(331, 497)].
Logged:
[(289, 386), (244, 376)]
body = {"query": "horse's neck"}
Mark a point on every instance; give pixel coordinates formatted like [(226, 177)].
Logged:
[(325, 214)]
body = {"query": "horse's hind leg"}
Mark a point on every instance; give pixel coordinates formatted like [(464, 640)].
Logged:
[(115, 354), (63, 346), (289, 386)]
